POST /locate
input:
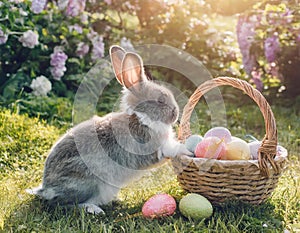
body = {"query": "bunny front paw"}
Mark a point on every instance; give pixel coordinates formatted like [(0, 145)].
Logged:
[(175, 148), (182, 150)]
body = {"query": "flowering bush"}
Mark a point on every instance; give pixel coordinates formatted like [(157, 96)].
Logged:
[(37, 41), (61, 40), (188, 25), (269, 40)]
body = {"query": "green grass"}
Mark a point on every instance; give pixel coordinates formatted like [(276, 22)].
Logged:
[(24, 151)]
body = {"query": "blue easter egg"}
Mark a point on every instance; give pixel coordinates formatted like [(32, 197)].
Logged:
[(192, 141)]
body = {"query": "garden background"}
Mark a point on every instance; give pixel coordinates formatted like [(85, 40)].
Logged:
[(47, 48)]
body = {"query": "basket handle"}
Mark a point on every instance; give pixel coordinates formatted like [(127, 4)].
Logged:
[(267, 150)]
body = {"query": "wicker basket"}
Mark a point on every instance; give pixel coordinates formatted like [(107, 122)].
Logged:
[(251, 181)]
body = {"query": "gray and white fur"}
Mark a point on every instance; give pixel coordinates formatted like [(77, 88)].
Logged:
[(92, 161)]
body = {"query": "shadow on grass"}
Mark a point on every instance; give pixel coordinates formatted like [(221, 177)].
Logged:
[(250, 218), (36, 215)]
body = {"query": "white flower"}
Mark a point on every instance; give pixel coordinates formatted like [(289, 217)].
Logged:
[(29, 39), (40, 86), (3, 37), (62, 4), (84, 18), (37, 6), (76, 28), (16, 1)]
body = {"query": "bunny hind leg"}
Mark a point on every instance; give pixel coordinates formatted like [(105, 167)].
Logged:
[(91, 208), (68, 194)]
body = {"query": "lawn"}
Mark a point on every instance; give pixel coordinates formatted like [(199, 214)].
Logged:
[(24, 145)]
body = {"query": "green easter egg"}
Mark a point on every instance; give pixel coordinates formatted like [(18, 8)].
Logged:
[(195, 206)]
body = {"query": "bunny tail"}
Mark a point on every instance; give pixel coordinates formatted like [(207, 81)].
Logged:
[(35, 191)]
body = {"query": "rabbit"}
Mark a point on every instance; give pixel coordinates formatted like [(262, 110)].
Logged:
[(90, 163)]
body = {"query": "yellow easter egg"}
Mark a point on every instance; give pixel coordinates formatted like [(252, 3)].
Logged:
[(237, 150)]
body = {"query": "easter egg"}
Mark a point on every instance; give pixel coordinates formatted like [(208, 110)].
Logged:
[(220, 132), (280, 150), (254, 146), (233, 138), (192, 141), (195, 206), (159, 205), (210, 147), (237, 150)]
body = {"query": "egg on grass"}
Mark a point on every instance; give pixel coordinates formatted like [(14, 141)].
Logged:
[(195, 206), (159, 205)]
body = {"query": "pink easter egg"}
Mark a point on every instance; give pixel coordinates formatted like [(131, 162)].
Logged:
[(159, 205), (210, 147)]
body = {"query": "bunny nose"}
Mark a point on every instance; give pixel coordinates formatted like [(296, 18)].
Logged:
[(174, 112)]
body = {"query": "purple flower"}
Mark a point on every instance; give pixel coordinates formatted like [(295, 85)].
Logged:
[(29, 39), (108, 2), (272, 18), (58, 58), (76, 28), (58, 61), (82, 49), (92, 35), (75, 7), (288, 16), (37, 6), (84, 18), (3, 37), (245, 36), (98, 48), (272, 48), (57, 72), (256, 78), (297, 38), (273, 70)]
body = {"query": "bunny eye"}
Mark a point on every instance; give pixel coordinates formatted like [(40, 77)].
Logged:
[(161, 99)]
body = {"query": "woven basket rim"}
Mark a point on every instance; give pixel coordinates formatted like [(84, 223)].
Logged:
[(283, 156)]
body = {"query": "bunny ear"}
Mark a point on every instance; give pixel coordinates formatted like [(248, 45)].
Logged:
[(132, 70), (116, 56)]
